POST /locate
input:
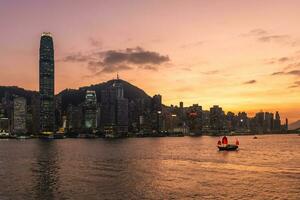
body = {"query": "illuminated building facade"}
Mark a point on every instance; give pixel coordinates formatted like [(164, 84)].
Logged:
[(46, 89)]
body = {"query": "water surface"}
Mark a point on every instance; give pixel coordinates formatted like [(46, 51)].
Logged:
[(150, 168)]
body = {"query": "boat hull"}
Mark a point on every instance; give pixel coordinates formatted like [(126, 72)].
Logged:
[(229, 147)]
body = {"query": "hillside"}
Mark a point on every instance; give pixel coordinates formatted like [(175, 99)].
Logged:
[(294, 125), (11, 91)]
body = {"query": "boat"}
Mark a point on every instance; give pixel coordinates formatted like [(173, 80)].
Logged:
[(46, 135), (228, 147), (23, 137), (5, 135), (254, 137)]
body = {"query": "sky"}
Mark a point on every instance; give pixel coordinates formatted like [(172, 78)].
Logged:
[(242, 55)]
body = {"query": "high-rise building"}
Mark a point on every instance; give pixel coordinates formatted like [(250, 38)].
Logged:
[(269, 121), (90, 110), (46, 70), (19, 115), (114, 110), (259, 119), (242, 122), (2, 112), (195, 119), (156, 115), (35, 109), (156, 103), (277, 122), (216, 118), (74, 118)]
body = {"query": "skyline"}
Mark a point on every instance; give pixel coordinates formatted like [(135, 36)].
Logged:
[(238, 60)]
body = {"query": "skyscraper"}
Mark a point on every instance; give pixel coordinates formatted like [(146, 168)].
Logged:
[(114, 110), (216, 118), (47, 106), (19, 115), (277, 122), (90, 110)]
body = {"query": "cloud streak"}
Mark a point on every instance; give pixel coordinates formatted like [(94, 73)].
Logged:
[(250, 82), (295, 85), (264, 36), (292, 72), (212, 72)]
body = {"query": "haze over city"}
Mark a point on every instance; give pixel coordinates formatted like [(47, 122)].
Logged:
[(242, 55)]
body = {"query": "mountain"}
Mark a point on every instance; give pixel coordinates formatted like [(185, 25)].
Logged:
[(77, 96), (294, 125)]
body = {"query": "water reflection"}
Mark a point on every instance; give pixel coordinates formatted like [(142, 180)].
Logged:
[(45, 170)]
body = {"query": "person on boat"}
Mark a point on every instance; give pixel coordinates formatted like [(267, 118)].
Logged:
[(224, 140), (237, 143), (219, 143)]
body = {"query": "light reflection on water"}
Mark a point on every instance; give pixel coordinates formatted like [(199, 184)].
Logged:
[(150, 168)]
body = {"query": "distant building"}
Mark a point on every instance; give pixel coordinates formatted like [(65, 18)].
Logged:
[(156, 116), (35, 110), (269, 122), (74, 118), (277, 122), (46, 88), (4, 125), (216, 118), (157, 103), (194, 117), (242, 122), (90, 110), (231, 121), (205, 120), (19, 115), (2, 111), (260, 120)]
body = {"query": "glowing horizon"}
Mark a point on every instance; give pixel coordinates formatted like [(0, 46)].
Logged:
[(241, 55)]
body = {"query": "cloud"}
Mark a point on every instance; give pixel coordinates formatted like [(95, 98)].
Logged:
[(119, 60), (256, 32), (283, 59), (274, 38), (250, 82), (277, 73), (115, 68), (293, 72), (186, 69), (295, 85), (134, 56), (264, 36), (212, 72), (78, 57), (95, 43), (149, 67), (292, 65)]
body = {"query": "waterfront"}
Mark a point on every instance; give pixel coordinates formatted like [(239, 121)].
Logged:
[(150, 168)]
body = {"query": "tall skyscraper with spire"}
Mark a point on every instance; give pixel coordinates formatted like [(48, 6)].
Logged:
[(46, 71)]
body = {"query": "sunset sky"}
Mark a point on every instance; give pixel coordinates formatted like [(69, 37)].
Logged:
[(242, 55)]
